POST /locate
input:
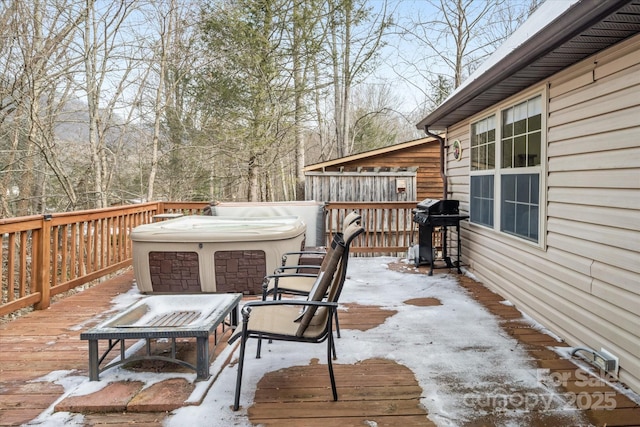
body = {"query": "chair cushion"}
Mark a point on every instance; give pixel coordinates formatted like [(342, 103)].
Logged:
[(301, 284), (278, 320)]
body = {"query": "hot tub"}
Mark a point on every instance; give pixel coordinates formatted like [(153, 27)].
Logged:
[(212, 254)]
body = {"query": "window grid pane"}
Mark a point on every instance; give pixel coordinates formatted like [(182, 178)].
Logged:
[(521, 134), (481, 207), (519, 206), (483, 138)]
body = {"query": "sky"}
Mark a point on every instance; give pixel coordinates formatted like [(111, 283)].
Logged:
[(454, 332)]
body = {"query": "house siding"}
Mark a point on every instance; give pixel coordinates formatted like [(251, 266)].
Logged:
[(583, 281)]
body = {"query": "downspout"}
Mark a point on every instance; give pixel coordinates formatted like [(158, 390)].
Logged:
[(443, 175)]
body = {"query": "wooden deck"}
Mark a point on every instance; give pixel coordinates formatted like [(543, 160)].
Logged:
[(375, 390)]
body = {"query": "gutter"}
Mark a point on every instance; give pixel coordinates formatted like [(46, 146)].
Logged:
[(443, 175)]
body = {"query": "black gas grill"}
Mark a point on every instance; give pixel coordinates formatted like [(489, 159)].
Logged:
[(434, 217)]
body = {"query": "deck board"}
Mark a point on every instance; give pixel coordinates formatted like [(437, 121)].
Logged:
[(377, 390)]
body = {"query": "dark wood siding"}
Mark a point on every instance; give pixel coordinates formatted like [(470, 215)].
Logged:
[(425, 157)]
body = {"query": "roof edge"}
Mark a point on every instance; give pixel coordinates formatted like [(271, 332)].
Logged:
[(374, 152)]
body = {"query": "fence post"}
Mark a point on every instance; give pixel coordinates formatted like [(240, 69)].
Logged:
[(42, 264)]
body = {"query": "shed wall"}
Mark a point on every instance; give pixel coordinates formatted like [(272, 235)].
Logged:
[(424, 157), (583, 282)]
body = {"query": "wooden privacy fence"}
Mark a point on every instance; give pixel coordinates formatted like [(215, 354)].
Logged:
[(45, 255), (366, 184)]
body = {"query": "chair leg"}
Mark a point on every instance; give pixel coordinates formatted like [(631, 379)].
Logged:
[(330, 347), (259, 346), (333, 350), (333, 343), (236, 402), (337, 325)]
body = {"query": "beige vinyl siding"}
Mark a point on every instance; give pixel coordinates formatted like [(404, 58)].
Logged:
[(457, 184), (593, 148), (583, 283), (626, 198), (458, 170)]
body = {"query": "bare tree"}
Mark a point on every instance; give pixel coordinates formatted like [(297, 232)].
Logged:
[(40, 43), (374, 120), (306, 44), (455, 40), (166, 24), (356, 36), (104, 62)]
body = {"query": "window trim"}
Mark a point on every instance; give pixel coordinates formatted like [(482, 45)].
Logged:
[(499, 171)]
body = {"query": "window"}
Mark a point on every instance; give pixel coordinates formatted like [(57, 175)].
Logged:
[(519, 205), (483, 149), (482, 200), (521, 134), (505, 195), (483, 144)]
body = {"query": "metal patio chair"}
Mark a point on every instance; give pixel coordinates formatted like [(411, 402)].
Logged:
[(349, 219), (309, 320), (287, 280)]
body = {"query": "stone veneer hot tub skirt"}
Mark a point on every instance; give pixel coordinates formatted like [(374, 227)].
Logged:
[(212, 254)]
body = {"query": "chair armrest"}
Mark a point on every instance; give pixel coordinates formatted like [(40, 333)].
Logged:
[(284, 255), (246, 308), (275, 277), (246, 311), (295, 267), (290, 302), (279, 275)]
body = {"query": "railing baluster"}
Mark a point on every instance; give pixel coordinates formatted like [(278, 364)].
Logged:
[(65, 252), (2, 287), (11, 262), (82, 256), (74, 267), (95, 227), (22, 275), (54, 256)]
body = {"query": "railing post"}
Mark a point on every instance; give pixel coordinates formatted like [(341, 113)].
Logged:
[(42, 264)]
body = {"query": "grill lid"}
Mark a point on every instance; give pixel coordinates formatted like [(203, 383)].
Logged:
[(439, 207), (427, 204)]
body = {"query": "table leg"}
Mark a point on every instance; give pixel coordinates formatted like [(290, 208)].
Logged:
[(202, 357), (94, 371), (234, 315)]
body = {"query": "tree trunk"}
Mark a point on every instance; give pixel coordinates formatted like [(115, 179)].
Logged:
[(252, 179), (337, 87), (90, 62), (298, 107)]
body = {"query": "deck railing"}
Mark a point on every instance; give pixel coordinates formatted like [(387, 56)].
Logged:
[(45, 255), (389, 226)]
